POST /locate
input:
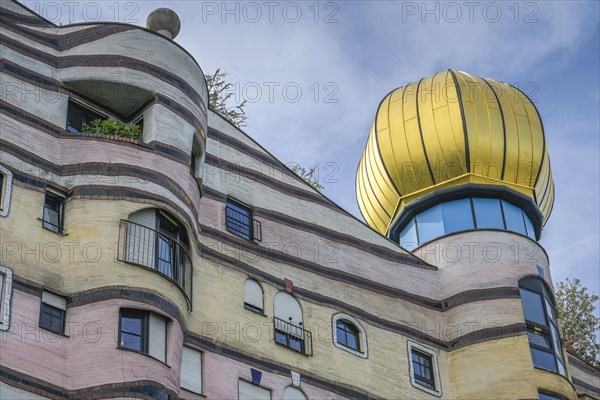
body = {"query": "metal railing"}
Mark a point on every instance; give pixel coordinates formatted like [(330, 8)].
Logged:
[(148, 248), (293, 336), (243, 225)]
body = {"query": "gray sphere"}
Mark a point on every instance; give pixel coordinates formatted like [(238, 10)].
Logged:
[(164, 21)]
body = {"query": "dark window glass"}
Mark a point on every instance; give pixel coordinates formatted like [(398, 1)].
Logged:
[(78, 115), (134, 330), (544, 396), (539, 338), (514, 218), (488, 213), (52, 318), (193, 164), (53, 218), (543, 359), (1, 191), (423, 369), (239, 219), (457, 216), (347, 335), (532, 307), (430, 224)]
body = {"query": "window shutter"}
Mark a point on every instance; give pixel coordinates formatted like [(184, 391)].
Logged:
[(248, 391), (54, 300), (157, 346), (190, 376), (253, 294)]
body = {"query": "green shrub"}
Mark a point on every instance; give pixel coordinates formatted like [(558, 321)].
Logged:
[(112, 128)]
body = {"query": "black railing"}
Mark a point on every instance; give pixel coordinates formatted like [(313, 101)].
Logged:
[(293, 336), (151, 249), (242, 224)]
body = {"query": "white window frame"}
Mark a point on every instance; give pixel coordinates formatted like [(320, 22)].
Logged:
[(241, 380), (262, 297), (364, 353), (6, 192), (6, 294), (436, 372)]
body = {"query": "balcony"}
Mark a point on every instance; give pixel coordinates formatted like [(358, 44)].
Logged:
[(148, 248), (293, 337)]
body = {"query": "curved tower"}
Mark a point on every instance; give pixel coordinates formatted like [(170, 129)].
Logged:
[(451, 145)]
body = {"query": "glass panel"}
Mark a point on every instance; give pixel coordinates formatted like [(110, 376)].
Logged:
[(430, 224), (131, 325), (408, 236), (131, 341), (457, 215), (351, 341), (529, 226), (488, 213), (544, 396), (542, 359), (556, 341), (561, 369), (550, 309), (532, 307), (514, 218), (539, 338)]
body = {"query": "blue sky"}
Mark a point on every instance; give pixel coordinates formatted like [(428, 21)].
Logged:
[(345, 57)]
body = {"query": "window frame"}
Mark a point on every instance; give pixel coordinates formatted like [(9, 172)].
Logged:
[(5, 297), (538, 287), (201, 355), (46, 308), (252, 307), (254, 233), (61, 199), (5, 190), (363, 348), (145, 329), (84, 108), (253, 384), (437, 384)]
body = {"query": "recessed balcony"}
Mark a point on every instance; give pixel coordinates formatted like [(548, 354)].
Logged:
[(293, 336)]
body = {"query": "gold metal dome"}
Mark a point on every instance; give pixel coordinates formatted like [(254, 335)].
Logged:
[(449, 130)]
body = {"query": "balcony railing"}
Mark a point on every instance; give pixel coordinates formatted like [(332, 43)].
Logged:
[(293, 336), (148, 248)]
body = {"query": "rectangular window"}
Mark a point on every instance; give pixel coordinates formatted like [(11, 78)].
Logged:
[(430, 224), (143, 331), (53, 312), (488, 214), (2, 179), (250, 391), (457, 216), (190, 376), (5, 295), (78, 116), (54, 209), (424, 369), (514, 218), (239, 221)]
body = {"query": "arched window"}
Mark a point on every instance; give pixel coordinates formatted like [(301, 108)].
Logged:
[(291, 393), (289, 330), (349, 335), (542, 329), (253, 296)]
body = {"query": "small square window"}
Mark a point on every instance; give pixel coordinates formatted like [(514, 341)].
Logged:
[(424, 369), (54, 207), (53, 312), (239, 221)]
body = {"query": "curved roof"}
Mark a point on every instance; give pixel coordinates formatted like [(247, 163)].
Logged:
[(447, 130)]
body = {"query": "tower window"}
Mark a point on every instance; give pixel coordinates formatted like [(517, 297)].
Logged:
[(423, 369), (53, 312), (54, 207), (542, 329), (78, 116)]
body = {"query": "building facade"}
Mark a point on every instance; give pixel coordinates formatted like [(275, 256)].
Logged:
[(179, 259)]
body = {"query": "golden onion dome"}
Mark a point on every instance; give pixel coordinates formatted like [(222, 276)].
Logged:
[(446, 131)]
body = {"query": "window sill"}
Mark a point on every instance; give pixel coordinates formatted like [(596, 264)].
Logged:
[(262, 314), (53, 331), (192, 392), (350, 350), (144, 354), (58, 230)]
